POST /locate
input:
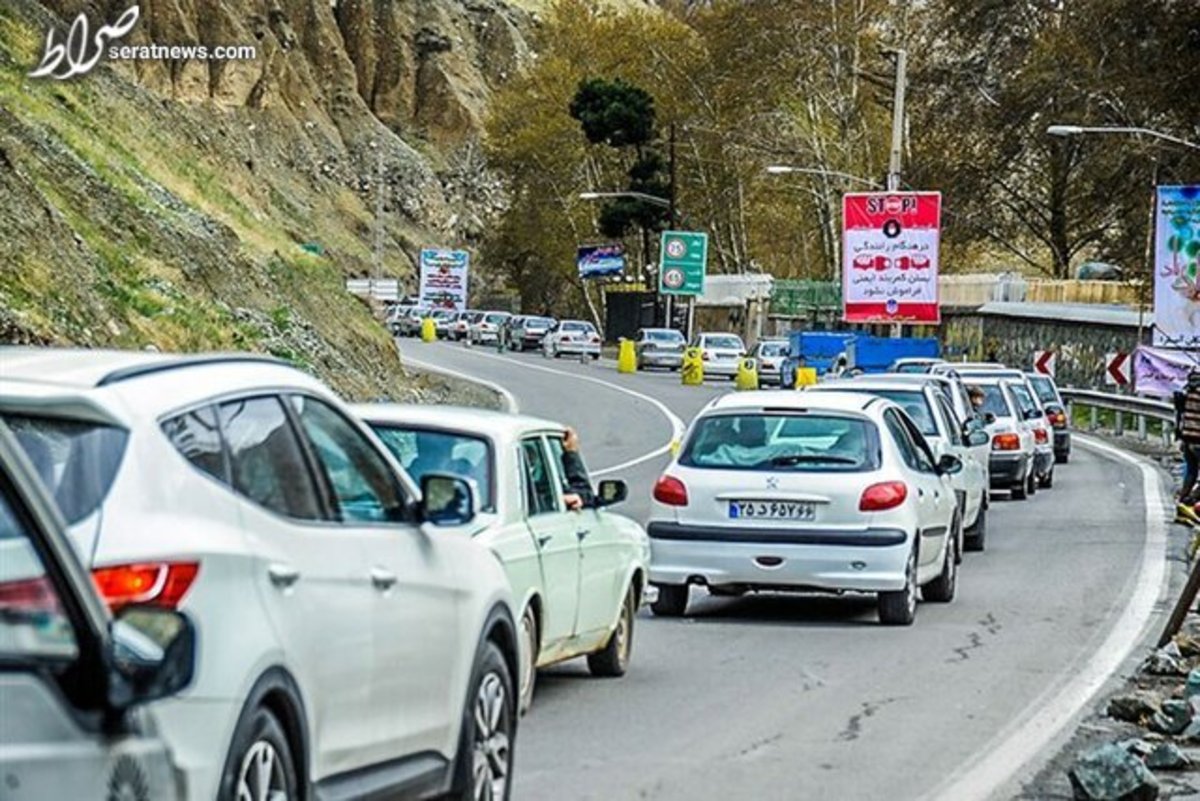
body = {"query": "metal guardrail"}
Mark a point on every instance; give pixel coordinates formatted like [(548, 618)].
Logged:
[(1141, 409)]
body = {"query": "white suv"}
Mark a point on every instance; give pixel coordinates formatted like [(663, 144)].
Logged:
[(345, 646)]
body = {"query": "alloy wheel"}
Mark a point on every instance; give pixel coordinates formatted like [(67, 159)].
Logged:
[(492, 746), (261, 776)]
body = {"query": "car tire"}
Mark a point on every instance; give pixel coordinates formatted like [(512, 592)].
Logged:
[(613, 660), (1018, 491), (481, 755), (1062, 458), (260, 742), (977, 534), (1048, 480), (526, 681), (941, 590), (899, 607), (672, 600), (1031, 484)]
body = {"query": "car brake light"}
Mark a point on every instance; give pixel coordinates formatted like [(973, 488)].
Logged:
[(1006, 442), (1040, 436), (28, 595), (882, 496), (156, 583), (670, 491), (1058, 419)]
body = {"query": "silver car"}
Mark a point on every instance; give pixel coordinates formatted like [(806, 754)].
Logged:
[(770, 355), (659, 347), (721, 353), (71, 738)]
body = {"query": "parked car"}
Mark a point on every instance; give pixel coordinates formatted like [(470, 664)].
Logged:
[(797, 491), (444, 321), (527, 333), (914, 364), (461, 325), (659, 347), (721, 353), (578, 577), (346, 641), (487, 329), (770, 355), (1011, 466), (928, 407), (408, 324), (65, 737), (572, 338), (1056, 414)]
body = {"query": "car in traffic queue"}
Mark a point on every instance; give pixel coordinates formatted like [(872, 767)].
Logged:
[(915, 364), (1056, 414), (806, 491), (461, 325), (408, 323), (1012, 463), (769, 356), (487, 329), (659, 347), (721, 353), (444, 321), (577, 576), (369, 651), (66, 737), (927, 406), (527, 332), (572, 338)]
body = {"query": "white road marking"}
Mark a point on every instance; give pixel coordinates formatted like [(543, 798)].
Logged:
[(677, 425), (506, 397), (1049, 714)]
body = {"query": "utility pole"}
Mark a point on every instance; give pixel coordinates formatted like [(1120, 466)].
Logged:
[(894, 159), (671, 223), (377, 271)]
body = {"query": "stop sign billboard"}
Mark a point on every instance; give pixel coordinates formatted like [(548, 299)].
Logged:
[(890, 257)]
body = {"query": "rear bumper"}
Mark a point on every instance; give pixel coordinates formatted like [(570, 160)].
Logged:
[(651, 358), (1007, 469), (870, 560), (577, 348), (721, 368), (1062, 441)]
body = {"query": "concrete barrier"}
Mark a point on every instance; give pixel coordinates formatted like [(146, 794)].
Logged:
[(626, 357)]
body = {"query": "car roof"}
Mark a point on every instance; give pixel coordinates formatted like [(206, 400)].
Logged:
[(582, 322), (972, 366), (487, 422), (920, 360), (825, 400), (870, 384), (913, 378), (85, 368)]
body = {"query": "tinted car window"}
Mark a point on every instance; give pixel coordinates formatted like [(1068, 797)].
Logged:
[(776, 442), (422, 451), (77, 461), (363, 484), (197, 437), (266, 461), (541, 495)]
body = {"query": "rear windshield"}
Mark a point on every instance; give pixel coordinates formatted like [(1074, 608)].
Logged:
[(783, 442), (730, 342), (496, 318), (77, 461), (538, 322), (572, 326), (994, 401), (913, 367), (1044, 388), (773, 349), (1024, 399), (664, 336), (422, 451), (913, 402)]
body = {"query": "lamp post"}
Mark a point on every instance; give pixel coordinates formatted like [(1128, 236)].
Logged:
[(786, 169)]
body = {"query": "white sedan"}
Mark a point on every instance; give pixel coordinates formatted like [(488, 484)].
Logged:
[(577, 576), (831, 491), (572, 337)]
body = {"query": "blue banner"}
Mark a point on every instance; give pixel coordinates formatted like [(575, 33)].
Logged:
[(597, 261)]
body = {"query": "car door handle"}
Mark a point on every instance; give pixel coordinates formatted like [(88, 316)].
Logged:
[(382, 580), (582, 534), (541, 541), (920, 492), (283, 576)]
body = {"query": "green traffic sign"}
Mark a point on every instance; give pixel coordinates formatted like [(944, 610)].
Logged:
[(682, 260)]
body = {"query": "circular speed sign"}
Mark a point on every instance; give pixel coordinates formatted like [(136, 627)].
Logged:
[(673, 278), (676, 248)]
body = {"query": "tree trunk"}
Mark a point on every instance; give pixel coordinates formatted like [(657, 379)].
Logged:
[(1060, 239)]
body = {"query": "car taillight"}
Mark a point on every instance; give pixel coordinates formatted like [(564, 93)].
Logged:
[(882, 496), (670, 491), (1006, 442), (28, 595), (1040, 436), (156, 583), (1058, 419)]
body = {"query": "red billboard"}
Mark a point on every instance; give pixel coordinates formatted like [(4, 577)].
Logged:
[(890, 257)]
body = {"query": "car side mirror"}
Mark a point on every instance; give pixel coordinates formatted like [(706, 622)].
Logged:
[(151, 655), (949, 464), (977, 437), (611, 491), (447, 500)]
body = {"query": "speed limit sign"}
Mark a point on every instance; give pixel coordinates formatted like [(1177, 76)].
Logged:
[(673, 278)]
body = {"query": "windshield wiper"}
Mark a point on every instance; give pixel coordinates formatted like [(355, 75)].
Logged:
[(812, 458)]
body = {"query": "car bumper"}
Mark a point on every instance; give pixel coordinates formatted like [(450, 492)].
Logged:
[(721, 368), (651, 358), (870, 560), (768, 375), (1043, 461), (1062, 442), (1006, 469), (532, 341), (577, 348), (485, 336)]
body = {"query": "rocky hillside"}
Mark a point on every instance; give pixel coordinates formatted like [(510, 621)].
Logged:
[(216, 205)]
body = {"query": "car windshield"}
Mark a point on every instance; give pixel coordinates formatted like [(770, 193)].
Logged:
[(76, 460), (496, 319), (729, 341), (994, 401), (423, 451), (1044, 388), (915, 404), (538, 322), (776, 442), (664, 336), (772, 349)]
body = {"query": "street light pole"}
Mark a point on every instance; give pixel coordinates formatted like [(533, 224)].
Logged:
[(893, 177), (1077, 130)]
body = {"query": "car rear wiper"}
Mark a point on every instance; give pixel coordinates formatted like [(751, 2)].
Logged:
[(814, 458)]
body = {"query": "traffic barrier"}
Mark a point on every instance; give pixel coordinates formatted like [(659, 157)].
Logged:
[(626, 357), (692, 371), (805, 377), (428, 330), (747, 375)]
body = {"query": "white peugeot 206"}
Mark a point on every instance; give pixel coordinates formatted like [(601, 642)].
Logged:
[(806, 492), (577, 576)]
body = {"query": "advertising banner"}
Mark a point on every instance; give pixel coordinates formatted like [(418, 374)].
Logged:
[(444, 278), (599, 261), (890, 257), (1161, 372), (1177, 267)]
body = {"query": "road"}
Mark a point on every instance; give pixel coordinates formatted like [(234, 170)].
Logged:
[(798, 697)]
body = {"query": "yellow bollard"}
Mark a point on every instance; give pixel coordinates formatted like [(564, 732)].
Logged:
[(747, 375), (805, 377), (692, 372), (626, 357), (428, 330)]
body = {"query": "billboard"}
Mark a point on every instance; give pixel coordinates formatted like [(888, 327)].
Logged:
[(890, 257), (444, 278), (599, 261), (1177, 267)]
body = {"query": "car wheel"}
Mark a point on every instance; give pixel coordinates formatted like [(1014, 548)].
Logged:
[(260, 764), (977, 533), (1048, 480), (1063, 457), (941, 590), (1018, 491), (672, 600), (529, 653), (485, 751), (613, 661), (1031, 484), (899, 608)]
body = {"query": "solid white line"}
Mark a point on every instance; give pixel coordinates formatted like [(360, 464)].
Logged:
[(1050, 713), (506, 397), (677, 425)]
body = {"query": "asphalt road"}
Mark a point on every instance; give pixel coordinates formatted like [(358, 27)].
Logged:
[(806, 697)]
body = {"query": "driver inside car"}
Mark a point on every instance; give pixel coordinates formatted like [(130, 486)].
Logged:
[(577, 487)]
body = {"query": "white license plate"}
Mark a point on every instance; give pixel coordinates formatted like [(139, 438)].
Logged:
[(772, 510)]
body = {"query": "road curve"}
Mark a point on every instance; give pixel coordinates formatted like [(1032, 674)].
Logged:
[(781, 697)]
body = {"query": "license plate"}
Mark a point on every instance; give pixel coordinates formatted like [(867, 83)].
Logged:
[(772, 510)]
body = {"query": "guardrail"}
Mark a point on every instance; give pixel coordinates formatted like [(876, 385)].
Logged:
[(1141, 409)]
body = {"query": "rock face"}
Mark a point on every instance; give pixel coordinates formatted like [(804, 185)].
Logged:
[(1111, 773)]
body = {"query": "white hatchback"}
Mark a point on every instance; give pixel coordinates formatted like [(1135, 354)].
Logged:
[(721, 353), (830, 491), (346, 645)]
